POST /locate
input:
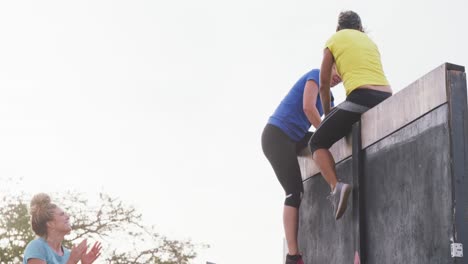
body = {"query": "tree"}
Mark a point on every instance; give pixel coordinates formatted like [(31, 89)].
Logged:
[(110, 220), (15, 231)]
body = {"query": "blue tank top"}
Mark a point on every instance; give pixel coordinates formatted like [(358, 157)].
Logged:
[(39, 249), (289, 116)]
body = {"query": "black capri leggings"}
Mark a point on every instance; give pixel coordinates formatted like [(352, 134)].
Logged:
[(339, 121), (282, 153)]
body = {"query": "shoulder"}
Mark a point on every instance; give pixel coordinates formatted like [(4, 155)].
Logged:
[(35, 249), (314, 72), (345, 35), (313, 75), (35, 243), (335, 36)]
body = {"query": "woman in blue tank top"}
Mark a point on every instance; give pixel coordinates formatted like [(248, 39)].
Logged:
[(50, 223), (286, 134)]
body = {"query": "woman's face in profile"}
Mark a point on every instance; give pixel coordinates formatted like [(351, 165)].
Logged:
[(60, 222), (335, 78)]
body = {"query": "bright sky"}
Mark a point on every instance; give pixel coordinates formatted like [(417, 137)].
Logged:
[(162, 103)]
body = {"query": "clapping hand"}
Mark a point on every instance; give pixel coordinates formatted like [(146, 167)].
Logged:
[(77, 252), (92, 255)]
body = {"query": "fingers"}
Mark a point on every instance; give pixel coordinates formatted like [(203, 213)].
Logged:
[(83, 246), (78, 251), (93, 254), (97, 249), (83, 242), (97, 245)]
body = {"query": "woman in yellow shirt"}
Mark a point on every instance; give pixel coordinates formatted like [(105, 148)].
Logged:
[(357, 60)]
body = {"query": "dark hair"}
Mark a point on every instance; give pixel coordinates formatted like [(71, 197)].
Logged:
[(42, 211), (349, 20)]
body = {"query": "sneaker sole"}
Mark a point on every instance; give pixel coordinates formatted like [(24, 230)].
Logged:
[(343, 202)]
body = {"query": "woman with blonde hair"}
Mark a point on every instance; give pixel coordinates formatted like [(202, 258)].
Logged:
[(50, 223)]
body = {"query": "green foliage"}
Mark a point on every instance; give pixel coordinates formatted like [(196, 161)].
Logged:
[(15, 231)]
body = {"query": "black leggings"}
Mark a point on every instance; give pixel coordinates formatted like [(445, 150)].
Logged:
[(339, 121), (282, 152)]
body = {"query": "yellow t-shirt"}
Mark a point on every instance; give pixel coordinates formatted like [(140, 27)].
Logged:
[(357, 59)]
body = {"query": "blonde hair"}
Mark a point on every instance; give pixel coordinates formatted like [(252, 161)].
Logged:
[(42, 211)]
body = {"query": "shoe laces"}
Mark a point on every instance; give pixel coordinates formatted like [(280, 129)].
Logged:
[(331, 198)]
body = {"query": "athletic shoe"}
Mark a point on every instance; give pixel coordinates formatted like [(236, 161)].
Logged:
[(339, 199), (292, 261)]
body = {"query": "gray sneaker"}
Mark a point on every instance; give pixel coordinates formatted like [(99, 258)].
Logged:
[(339, 199)]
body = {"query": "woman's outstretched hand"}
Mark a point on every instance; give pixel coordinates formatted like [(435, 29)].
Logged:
[(77, 252), (92, 255)]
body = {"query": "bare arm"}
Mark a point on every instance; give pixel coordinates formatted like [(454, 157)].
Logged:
[(309, 103), (36, 261), (325, 78)]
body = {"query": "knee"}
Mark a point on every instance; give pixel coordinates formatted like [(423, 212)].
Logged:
[(313, 146), (293, 199)]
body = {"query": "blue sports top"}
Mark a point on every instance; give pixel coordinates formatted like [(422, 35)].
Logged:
[(289, 116), (39, 249)]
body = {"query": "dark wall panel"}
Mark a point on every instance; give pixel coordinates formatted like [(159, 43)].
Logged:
[(321, 238), (409, 200)]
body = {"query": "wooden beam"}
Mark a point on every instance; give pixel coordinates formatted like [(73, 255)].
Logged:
[(404, 107), (420, 97)]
